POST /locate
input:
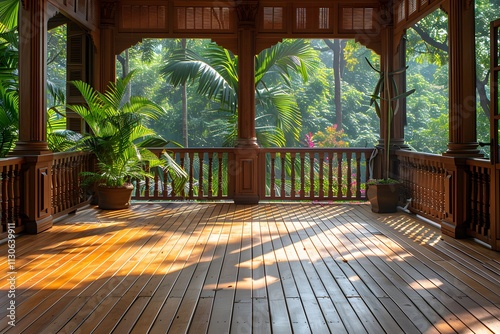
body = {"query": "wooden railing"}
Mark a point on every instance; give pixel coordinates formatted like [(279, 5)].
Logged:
[(454, 192), (67, 191), (314, 173), (318, 174), (424, 179), (478, 199), (209, 173), (11, 194)]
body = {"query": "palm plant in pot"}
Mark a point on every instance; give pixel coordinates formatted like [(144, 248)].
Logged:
[(383, 193), (119, 138)]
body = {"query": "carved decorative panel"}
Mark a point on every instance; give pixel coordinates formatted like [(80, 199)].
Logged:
[(273, 18), (143, 17), (312, 18), (357, 18), (412, 7), (203, 18)]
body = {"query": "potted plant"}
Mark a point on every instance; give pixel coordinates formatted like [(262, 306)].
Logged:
[(119, 138), (383, 193)]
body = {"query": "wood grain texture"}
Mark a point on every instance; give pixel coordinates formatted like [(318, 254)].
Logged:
[(267, 268)]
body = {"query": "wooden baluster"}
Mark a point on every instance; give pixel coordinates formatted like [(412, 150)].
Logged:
[(311, 174), (5, 198), (59, 188), (17, 195), (433, 200), (74, 161), (191, 176), (302, 174), (481, 200), (292, 176), (321, 191), (440, 190), (367, 171), (339, 175), (10, 195), (156, 180), (487, 201), (273, 175), (419, 186), (349, 176), (147, 183), (283, 174), (219, 177), (67, 183), (427, 187), (210, 173), (473, 199), (330, 157), (358, 175), (201, 158), (53, 188)]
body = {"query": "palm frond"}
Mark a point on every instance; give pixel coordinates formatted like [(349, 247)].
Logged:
[(9, 12)]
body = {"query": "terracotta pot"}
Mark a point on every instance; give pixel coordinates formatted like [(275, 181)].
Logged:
[(114, 198), (384, 198)]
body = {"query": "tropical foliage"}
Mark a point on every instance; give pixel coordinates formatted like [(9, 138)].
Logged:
[(214, 70), (289, 107), (119, 135)]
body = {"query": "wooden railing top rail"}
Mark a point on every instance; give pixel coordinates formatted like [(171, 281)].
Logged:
[(485, 163), (427, 157), (192, 150), (266, 149), (11, 161), (62, 155), (318, 149)]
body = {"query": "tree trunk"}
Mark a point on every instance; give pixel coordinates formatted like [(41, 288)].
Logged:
[(337, 46)]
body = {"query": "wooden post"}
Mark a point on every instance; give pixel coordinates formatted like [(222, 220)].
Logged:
[(246, 189), (462, 105), (107, 54), (462, 80), (32, 144)]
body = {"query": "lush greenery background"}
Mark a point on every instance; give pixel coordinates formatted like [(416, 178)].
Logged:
[(323, 102)]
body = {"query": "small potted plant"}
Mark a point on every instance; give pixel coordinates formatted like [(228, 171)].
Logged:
[(119, 138), (383, 193)]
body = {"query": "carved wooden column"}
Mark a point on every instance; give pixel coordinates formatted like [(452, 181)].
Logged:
[(107, 54), (462, 79), (32, 144), (246, 189), (462, 117), (399, 122)]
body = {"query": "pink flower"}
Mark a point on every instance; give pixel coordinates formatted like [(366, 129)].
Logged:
[(309, 140)]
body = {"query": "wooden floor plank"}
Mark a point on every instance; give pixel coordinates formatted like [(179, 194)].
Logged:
[(47, 295), (269, 268), (459, 284)]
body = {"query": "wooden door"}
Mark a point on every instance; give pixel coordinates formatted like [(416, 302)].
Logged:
[(495, 143)]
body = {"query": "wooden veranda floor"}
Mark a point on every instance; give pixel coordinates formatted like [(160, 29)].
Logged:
[(271, 268)]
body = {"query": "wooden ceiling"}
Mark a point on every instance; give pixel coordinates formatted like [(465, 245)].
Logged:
[(133, 20)]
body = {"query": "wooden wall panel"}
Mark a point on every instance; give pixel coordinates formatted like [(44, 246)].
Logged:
[(408, 12), (82, 11)]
